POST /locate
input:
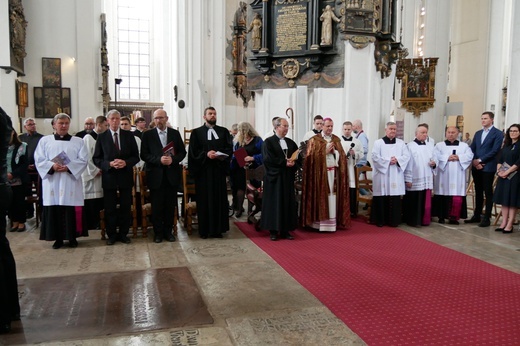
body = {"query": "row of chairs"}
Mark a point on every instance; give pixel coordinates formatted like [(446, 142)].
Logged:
[(141, 201)]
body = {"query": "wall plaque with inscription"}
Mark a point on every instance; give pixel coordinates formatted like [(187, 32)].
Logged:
[(291, 21), (291, 52)]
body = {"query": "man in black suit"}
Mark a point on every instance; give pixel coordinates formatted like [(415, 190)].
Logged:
[(209, 154), (88, 128), (162, 149), (116, 154)]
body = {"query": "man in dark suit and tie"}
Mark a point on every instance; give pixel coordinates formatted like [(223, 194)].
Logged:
[(162, 149), (485, 146), (116, 154)]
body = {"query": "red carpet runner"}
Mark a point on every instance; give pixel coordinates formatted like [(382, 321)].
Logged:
[(393, 288)]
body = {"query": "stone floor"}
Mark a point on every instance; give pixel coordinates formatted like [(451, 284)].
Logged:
[(251, 299)]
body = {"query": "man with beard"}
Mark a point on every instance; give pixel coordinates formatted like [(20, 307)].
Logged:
[(88, 128), (163, 173), (209, 155)]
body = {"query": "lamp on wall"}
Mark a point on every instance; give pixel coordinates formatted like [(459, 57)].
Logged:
[(118, 81)]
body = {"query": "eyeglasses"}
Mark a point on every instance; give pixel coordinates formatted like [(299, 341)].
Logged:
[(513, 131)]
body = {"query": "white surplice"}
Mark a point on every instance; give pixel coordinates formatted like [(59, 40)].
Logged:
[(387, 179), (61, 188), (418, 170), (92, 182), (450, 177), (352, 160)]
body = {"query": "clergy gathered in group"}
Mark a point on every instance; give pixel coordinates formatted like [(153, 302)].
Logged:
[(412, 182)]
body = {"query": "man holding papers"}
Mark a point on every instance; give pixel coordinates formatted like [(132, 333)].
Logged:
[(162, 149), (209, 168), (60, 159)]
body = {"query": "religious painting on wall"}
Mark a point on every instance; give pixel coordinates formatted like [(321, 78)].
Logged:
[(22, 97), (51, 72), (38, 102), (65, 101), (51, 102), (418, 84)]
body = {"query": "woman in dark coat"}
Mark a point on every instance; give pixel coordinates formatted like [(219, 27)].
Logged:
[(506, 191), (18, 177), (248, 139)]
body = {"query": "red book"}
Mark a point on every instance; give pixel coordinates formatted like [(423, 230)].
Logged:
[(169, 149), (240, 155)]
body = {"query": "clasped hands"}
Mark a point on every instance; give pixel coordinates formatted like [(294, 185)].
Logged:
[(166, 160), (478, 164), (59, 168), (118, 163)]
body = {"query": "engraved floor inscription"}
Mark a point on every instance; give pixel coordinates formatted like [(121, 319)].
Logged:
[(86, 306)]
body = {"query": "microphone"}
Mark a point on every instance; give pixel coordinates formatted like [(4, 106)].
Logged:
[(352, 145)]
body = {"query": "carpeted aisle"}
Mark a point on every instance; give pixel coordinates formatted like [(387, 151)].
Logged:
[(394, 288)]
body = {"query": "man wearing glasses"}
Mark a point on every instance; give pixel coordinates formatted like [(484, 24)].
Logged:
[(88, 128), (31, 137)]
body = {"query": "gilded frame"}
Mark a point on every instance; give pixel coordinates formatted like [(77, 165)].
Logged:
[(418, 84)]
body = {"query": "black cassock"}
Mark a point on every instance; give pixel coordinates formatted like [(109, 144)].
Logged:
[(279, 208), (210, 179)]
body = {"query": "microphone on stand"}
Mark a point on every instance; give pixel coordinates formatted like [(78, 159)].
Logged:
[(352, 145)]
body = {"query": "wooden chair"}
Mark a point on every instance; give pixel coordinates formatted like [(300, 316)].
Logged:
[(363, 181), (146, 206), (133, 210), (34, 198), (187, 134), (190, 207), (254, 195)]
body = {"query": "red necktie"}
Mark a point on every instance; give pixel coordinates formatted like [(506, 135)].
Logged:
[(116, 142)]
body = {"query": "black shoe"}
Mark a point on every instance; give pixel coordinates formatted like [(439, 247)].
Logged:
[(379, 225), (499, 230), (485, 222), (238, 213), (170, 238), (5, 328), (57, 244), (474, 219), (157, 240), (73, 243), (453, 222), (273, 237), (441, 220), (287, 236), (14, 229), (216, 236), (111, 241), (21, 229), (125, 239), (507, 231), (204, 236)]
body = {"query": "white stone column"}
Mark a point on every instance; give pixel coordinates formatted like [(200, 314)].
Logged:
[(513, 89)]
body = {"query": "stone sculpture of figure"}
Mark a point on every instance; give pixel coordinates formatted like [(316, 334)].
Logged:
[(256, 28), (326, 27)]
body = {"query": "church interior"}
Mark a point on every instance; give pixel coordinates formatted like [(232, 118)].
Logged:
[(408, 61)]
